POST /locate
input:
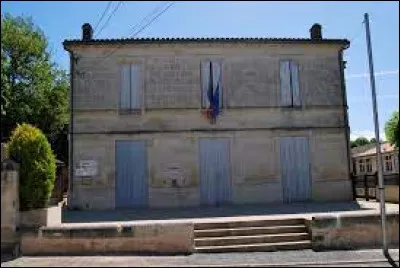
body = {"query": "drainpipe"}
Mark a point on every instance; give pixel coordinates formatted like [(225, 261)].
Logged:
[(345, 109), (70, 134)]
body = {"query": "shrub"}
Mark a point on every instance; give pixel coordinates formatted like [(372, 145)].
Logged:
[(37, 166)]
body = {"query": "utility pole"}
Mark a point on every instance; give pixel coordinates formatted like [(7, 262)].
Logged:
[(381, 186)]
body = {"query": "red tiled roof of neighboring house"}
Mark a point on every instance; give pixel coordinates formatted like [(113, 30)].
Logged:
[(370, 149)]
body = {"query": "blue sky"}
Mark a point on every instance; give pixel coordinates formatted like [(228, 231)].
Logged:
[(63, 20)]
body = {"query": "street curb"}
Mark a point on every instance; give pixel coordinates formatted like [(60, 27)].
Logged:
[(289, 264)]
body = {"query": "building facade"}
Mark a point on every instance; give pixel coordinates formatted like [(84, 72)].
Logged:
[(364, 159), (210, 121)]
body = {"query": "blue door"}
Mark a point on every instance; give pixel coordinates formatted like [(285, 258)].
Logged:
[(215, 178), (131, 185), (295, 169)]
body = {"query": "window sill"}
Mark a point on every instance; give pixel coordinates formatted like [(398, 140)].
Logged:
[(292, 107), (130, 111)]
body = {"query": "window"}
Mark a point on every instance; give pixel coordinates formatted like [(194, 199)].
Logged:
[(130, 97), (369, 165), (355, 168), (388, 163), (361, 166), (211, 84), (290, 95)]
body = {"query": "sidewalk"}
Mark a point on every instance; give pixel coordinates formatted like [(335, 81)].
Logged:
[(227, 213), (364, 258)]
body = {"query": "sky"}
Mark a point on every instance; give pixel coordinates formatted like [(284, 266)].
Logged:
[(63, 20)]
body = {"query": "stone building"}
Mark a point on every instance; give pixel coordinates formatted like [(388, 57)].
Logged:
[(364, 159), (178, 122)]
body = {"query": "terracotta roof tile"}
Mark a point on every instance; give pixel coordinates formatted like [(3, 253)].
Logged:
[(205, 40), (385, 148)]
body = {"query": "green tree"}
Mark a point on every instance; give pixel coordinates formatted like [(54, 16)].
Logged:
[(33, 89), (392, 129), (30, 148), (360, 141)]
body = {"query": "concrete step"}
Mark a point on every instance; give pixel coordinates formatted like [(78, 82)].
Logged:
[(248, 223), (250, 231), (260, 247), (241, 240)]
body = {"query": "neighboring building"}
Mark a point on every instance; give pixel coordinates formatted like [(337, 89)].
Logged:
[(207, 121), (364, 159)]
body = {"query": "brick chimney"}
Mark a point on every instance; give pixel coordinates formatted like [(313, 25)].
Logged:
[(316, 32), (87, 32)]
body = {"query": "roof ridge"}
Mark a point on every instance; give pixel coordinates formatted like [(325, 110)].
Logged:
[(206, 39)]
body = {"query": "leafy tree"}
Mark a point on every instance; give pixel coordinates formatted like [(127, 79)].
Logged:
[(33, 89), (392, 129), (30, 148), (373, 140), (353, 144), (360, 141)]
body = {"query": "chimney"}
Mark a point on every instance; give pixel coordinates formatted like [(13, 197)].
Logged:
[(316, 32), (87, 32)]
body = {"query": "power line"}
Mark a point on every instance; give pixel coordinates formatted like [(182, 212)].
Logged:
[(158, 15), (109, 17), (102, 16), (357, 33), (141, 29), (148, 15)]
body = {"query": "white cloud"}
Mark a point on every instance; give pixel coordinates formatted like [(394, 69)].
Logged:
[(381, 73), (369, 134)]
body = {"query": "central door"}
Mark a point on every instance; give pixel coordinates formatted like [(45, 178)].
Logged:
[(131, 185), (215, 179), (295, 169)]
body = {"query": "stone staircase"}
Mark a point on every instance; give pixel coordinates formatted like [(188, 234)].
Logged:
[(251, 236)]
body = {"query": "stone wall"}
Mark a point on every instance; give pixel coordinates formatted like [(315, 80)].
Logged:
[(352, 231), (36, 218), (391, 193), (171, 121), (110, 122), (9, 208), (171, 75), (254, 162), (108, 238)]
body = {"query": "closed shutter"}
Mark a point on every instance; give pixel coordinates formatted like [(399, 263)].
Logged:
[(136, 95), (294, 79), (286, 94), (125, 87), (205, 79)]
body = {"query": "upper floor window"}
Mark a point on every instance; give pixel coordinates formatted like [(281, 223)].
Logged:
[(388, 163), (369, 165), (361, 166), (130, 95), (289, 77), (211, 84)]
